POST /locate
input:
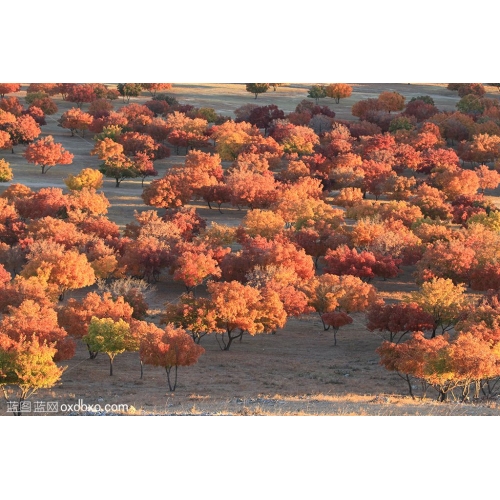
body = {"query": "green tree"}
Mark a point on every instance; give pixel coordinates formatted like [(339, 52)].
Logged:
[(443, 300), (317, 92), (257, 88), (119, 167), (106, 335), (6, 173), (128, 90), (470, 104)]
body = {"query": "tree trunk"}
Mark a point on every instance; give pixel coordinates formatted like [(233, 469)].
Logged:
[(110, 365), (142, 368), (117, 183), (167, 369), (92, 354), (324, 325), (409, 386)]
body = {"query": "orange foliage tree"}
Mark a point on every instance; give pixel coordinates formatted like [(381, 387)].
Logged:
[(47, 153), (28, 365), (75, 315), (243, 309), (169, 348), (9, 88), (338, 91), (329, 293), (194, 314), (58, 268), (30, 320), (75, 120), (391, 101), (23, 131)]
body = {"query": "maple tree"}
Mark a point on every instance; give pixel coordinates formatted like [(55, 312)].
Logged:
[(194, 314), (414, 357), (202, 170), (146, 257), (47, 88), (80, 93), (443, 300), (169, 348), (398, 319), (107, 148), (330, 293), (24, 130), (34, 205), (12, 105), (56, 230), (153, 88), (87, 178), (58, 268), (420, 109), (195, 264), (432, 202), (99, 108), (243, 309), (295, 138), (101, 91), (37, 114), (172, 190), (75, 120), (28, 365), (9, 88), (13, 292), (376, 175), (135, 142), (47, 153), (6, 173), (5, 140), (338, 91), (252, 189), (86, 202), (445, 365), (264, 223), (263, 116), (111, 124), (471, 88), (30, 319), (391, 101), (231, 137), (344, 260), (363, 108), (118, 167), (474, 361), (483, 148), (76, 315)]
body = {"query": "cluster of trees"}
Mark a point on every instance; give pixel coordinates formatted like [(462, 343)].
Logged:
[(331, 206)]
